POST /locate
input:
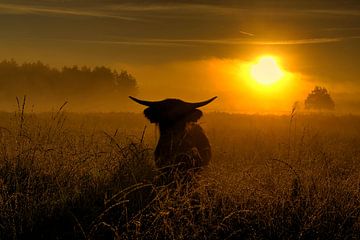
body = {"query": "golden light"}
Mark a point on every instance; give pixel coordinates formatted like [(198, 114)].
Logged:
[(258, 95), (266, 71)]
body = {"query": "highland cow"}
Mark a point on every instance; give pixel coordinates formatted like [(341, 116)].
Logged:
[(182, 141)]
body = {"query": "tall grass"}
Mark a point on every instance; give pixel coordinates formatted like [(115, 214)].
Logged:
[(71, 176)]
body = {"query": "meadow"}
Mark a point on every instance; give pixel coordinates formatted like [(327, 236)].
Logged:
[(91, 176)]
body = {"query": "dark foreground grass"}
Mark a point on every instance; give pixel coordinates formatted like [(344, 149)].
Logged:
[(271, 177)]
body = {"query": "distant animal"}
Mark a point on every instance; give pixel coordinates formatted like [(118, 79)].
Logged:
[(182, 140)]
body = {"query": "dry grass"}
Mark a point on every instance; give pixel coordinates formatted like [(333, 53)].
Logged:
[(71, 176)]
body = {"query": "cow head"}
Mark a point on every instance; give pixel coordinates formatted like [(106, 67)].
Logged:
[(172, 111)]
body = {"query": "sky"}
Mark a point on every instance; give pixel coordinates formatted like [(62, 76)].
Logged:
[(197, 49)]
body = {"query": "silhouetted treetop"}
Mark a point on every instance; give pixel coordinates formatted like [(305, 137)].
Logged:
[(319, 99), (85, 77)]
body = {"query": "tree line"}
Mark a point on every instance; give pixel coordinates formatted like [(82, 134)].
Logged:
[(46, 85)]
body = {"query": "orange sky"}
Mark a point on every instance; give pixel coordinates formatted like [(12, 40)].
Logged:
[(197, 49)]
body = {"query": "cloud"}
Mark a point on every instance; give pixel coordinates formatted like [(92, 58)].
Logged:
[(133, 42), (346, 12), (156, 7), (196, 42), (26, 9), (337, 29), (300, 41)]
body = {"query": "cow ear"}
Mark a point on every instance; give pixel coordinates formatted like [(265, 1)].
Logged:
[(193, 116), (152, 115)]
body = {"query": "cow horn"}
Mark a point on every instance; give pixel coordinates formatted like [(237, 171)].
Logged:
[(142, 102), (200, 104)]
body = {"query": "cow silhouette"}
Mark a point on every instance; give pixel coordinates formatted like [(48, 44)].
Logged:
[(182, 141)]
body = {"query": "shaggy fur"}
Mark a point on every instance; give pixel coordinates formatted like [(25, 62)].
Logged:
[(182, 141)]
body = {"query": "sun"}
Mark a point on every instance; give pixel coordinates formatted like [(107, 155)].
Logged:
[(266, 71)]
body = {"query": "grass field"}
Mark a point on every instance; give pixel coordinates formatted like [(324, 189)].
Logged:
[(91, 176)]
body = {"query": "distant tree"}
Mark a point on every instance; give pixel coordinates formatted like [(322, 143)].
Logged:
[(319, 99)]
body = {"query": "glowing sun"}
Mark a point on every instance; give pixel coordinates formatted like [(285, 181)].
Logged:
[(266, 71)]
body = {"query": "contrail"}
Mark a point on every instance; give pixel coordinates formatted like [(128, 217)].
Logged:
[(247, 33)]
